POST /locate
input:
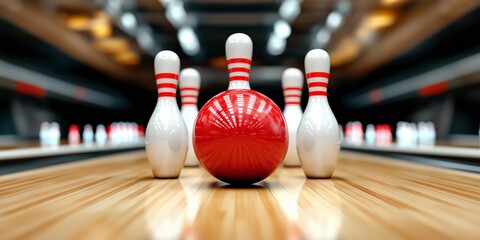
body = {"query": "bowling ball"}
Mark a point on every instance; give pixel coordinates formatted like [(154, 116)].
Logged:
[(240, 136)]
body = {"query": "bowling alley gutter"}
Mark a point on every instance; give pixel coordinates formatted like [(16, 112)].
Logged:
[(38, 152), (25, 81), (427, 84)]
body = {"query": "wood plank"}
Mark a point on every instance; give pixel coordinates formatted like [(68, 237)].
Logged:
[(116, 197)]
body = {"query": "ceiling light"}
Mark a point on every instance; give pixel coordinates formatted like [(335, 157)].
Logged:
[(282, 29), (188, 40), (289, 10), (114, 7), (166, 2), (146, 41), (322, 37), (78, 22), (176, 14), (129, 22), (127, 58), (344, 6), (391, 2), (100, 26), (380, 19), (276, 45), (111, 45), (334, 20)]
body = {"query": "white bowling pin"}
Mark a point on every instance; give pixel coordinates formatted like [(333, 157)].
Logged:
[(370, 135), (100, 135), (318, 136), (87, 135), (166, 137), (238, 50), (54, 134), (189, 83), (44, 134), (292, 83)]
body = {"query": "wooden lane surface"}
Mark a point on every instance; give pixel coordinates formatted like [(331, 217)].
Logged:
[(116, 197)]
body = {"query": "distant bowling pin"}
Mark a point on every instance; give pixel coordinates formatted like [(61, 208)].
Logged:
[(166, 137), (54, 134), (100, 135), (370, 134), (87, 135), (73, 135), (44, 134), (292, 83), (318, 136), (189, 83)]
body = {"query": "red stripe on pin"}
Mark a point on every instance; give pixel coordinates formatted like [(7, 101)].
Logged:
[(238, 78), (191, 96), (239, 60), (318, 74), (167, 85), (318, 84), (293, 95), (292, 88), (167, 94), (239, 69), (166, 75), (317, 93), (189, 103), (292, 103), (231, 70), (189, 89)]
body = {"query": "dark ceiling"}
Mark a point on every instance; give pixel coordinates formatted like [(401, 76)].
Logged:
[(377, 43)]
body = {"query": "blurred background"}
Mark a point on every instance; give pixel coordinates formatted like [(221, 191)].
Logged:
[(91, 61)]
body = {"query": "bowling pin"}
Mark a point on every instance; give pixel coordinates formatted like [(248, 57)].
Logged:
[(292, 83), (318, 136), (54, 134), (87, 135), (238, 50), (44, 134), (432, 134), (73, 135), (370, 135), (100, 135), (166, 137), (189, 82)]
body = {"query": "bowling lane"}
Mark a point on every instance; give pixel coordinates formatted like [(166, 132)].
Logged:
[(116, 197)]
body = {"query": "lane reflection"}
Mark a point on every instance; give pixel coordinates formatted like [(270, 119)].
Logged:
[(165, 207)]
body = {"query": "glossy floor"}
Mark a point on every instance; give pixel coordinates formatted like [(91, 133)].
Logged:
[(116, 197)]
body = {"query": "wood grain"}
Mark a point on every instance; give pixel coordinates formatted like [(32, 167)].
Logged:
[(116, 197)]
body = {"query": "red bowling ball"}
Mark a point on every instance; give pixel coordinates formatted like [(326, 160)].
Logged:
[(240, 136)]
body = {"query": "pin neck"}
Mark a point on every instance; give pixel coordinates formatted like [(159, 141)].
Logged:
[(317, 84), (239, 73), (189, 95), (292, 107), (292, 95), (189, 108), (167, 85)]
